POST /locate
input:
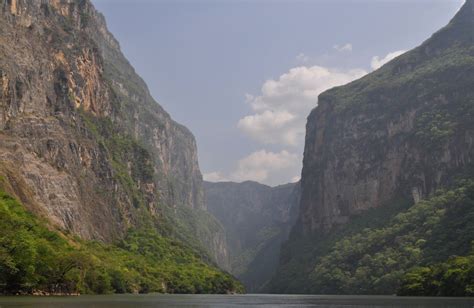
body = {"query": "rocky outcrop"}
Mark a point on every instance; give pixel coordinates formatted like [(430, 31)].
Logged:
[(81, 139), (402, 131), (256, 219)]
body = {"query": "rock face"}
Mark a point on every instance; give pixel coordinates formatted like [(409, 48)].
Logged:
[(82, 141), (401, 131), (257, 219), (374, 148)]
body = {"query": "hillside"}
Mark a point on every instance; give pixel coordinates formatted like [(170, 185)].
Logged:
[(36, 260), (375, 148)]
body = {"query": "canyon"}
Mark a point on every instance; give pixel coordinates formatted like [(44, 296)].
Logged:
[(93, 167)]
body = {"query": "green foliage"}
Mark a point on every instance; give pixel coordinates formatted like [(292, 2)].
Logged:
[(299, 255), (414, 249), (173, 266), (431, 88), (454, 277), (34, 258), (31, 255), (412, 78), (375, 259), (433, 128)]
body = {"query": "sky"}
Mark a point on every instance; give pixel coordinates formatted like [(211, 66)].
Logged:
[(243, 75)]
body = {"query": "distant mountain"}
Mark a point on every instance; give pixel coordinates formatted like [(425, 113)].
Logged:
[(84, 146), (256, 219), (374, 149)]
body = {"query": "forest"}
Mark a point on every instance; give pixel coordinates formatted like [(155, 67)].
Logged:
[(36, 260), (422, 249)]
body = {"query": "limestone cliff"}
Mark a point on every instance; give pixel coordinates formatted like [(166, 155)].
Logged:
[(374, 148), (401, 131), (256, 219), (82, 142)]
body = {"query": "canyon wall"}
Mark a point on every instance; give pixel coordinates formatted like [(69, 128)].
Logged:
[(82, 142), (256, 219)]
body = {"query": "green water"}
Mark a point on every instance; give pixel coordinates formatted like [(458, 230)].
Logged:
[(254, 300)]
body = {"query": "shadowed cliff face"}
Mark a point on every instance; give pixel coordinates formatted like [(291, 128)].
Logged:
[(400, 132), (256, 219), (81, 139)]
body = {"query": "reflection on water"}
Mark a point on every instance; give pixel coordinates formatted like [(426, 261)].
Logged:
[(153, 300)]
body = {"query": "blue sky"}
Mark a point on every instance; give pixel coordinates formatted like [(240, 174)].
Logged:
[(243, 75)]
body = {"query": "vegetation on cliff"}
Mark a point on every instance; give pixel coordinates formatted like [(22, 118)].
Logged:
[(96, 152), (375, 148), (423, 250), (33, 258), (133, 169), (454, 277)]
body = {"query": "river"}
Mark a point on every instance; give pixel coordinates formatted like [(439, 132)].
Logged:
[(252, 300)]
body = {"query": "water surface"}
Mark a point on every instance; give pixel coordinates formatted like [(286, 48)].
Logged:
[(253, 300)]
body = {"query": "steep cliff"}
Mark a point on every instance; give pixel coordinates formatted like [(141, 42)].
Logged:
[(385, 141), (257, 219), (403, 130), (82, 142)]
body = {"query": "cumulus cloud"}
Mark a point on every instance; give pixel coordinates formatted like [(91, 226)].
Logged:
[(377, 62), (262, 166), (259, 125), (341, 48), (278, 117), (281, 109), (259, 165)]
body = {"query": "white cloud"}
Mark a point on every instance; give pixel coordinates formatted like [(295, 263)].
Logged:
[(262, 166), (258, 165), (279, 118), (295, 179), (280, 111), (341, 48), (214, 177), (258, 125), (376, 62)]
